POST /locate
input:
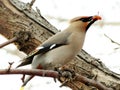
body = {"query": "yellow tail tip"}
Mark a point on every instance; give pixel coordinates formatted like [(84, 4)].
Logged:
[(22, 88)]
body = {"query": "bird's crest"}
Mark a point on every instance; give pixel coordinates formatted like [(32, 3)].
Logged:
[(77, 18)]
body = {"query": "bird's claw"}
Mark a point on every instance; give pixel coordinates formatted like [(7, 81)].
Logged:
[(65, 75)]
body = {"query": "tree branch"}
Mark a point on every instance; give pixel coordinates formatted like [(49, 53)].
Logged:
[(92, 82), (54, 74), (45, 73), (8, 42), (111, 40), (21, 18), (20, 37)]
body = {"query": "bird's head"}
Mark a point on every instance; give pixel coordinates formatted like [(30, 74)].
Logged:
[(84, 21)]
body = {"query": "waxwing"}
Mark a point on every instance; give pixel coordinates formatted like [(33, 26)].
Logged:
[(61, 47)]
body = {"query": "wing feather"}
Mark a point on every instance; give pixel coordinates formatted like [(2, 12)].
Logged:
[(55, 41)]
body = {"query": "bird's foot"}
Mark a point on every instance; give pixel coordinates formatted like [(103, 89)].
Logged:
[(57, 68), (65, 75)]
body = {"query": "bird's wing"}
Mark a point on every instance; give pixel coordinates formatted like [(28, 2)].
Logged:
[(55, 41)]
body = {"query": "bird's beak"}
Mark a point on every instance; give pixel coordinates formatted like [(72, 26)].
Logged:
[(96, 17)]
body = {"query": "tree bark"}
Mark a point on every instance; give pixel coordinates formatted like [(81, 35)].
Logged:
[(16, 16)]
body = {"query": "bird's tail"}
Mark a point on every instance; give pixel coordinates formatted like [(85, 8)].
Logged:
[(25, 61)]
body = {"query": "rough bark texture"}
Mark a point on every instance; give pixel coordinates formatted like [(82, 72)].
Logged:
[(16, 16)]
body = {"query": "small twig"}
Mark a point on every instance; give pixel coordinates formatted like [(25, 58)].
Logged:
[(112, 40), (63, 84), (23, 78), (31, 4), (10, 65), (8, 42), (95, 77), (20, 37), (38, 11)]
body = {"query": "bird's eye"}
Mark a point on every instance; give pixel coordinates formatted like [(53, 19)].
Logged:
[(86, 19)]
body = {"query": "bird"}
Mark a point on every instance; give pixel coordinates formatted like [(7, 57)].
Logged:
[(62, 47)]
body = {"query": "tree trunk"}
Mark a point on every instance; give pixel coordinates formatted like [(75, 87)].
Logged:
[(16, 16)]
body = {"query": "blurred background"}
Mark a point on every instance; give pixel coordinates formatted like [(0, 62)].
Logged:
[(97, 42)]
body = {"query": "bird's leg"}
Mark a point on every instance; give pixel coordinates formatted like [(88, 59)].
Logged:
[(65, 75), (57, 68)]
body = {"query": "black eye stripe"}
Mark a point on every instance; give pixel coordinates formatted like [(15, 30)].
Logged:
[(86, 19)]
